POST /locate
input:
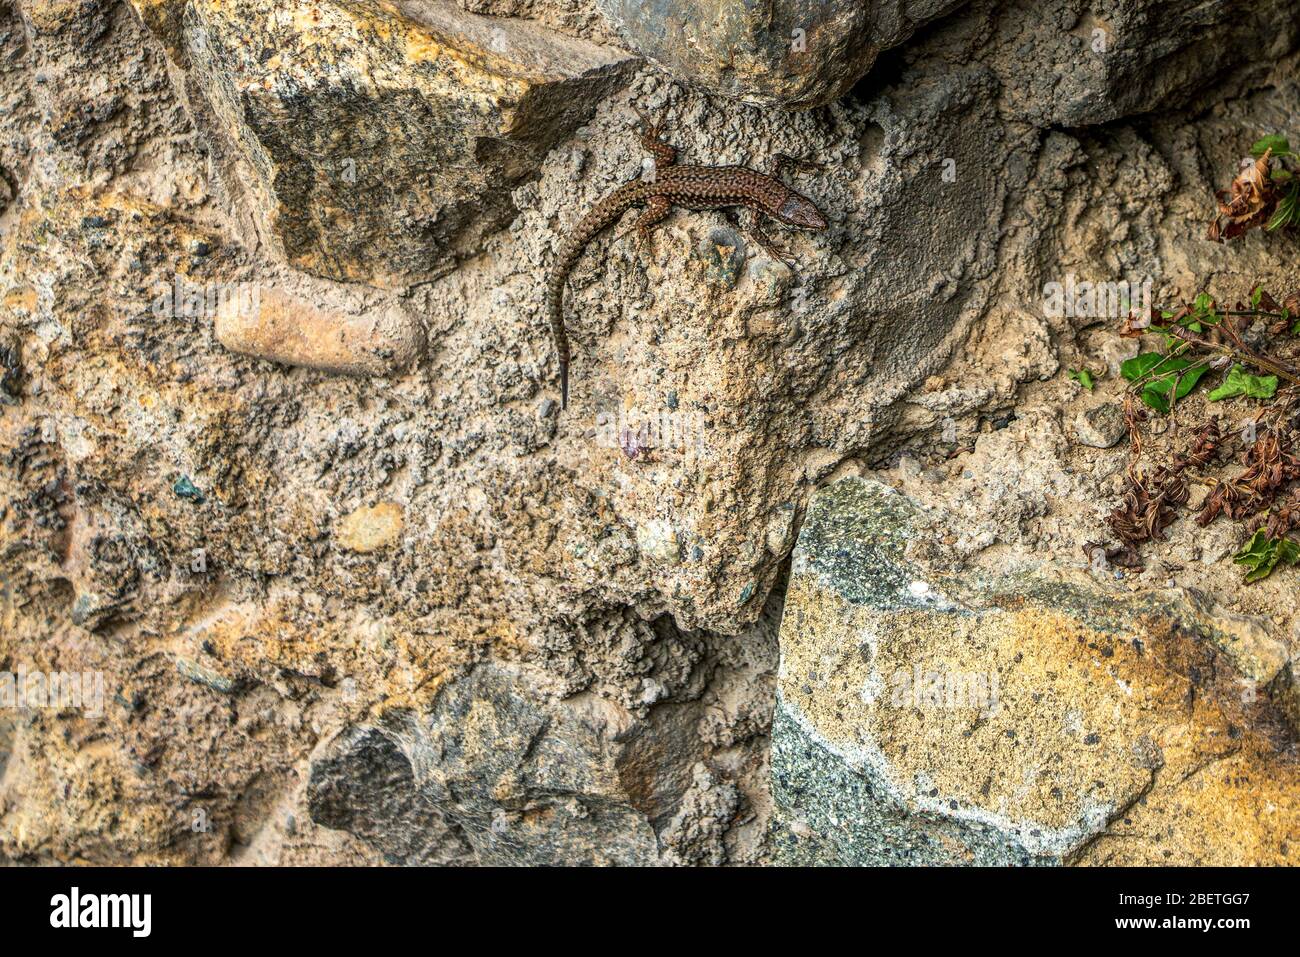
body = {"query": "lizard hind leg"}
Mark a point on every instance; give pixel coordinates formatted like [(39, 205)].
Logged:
[(656, 211), (651, 141)]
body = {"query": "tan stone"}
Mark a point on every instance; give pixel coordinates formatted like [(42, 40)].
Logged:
[(371, 528), (275, 326)]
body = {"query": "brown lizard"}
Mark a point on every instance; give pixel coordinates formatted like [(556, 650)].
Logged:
[(691, 187)]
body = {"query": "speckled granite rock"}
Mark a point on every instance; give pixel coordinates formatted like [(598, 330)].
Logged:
[(1031, 718), (383, 140), (794, 54)]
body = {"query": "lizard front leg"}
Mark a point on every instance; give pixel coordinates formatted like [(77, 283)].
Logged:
[(750, 226), (781, 164)]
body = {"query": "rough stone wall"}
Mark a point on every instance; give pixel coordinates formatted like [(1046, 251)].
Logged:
[(358, 589)]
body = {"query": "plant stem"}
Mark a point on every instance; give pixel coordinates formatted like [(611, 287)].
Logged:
[(1254, 312), (1270, 366)]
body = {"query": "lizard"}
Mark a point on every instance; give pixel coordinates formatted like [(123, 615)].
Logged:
[(690, 187)]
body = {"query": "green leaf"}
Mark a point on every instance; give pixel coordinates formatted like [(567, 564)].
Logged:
[(1202, 314), (1262, 554), (1167, 370), (1258, 547), (1137, 367), (1288, 210), (1278, 144), (1155, 400), (1256, 295), (1083, 377), (1241, 382), (1258, 556), (1156, 392)]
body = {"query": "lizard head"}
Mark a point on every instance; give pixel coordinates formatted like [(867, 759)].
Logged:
[(799, 211)]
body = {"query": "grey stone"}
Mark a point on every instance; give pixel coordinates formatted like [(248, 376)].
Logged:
[(723, 253), (363, 784), (1101, 426), (794, 54), (517, 782), (1072, 63)]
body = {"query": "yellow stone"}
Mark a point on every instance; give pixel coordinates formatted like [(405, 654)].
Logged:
[(371, 528)]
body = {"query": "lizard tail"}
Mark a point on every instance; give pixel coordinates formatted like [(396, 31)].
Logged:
[(602, 214), (555, 310)]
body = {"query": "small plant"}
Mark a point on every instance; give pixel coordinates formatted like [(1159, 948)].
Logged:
[(1084, 378), (1265, 193), (1200, 340), (1262, 554), (1200, 336)]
